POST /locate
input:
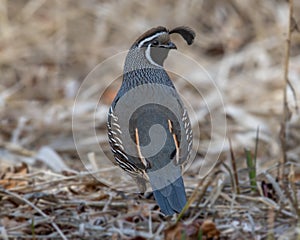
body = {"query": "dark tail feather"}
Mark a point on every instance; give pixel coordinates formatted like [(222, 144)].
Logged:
[(171, 199)]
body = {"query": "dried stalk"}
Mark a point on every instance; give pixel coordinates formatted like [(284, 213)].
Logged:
[(286, 109)]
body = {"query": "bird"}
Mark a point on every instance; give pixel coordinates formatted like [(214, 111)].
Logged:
[(148, 126)]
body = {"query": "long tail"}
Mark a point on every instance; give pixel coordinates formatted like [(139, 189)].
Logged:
[(171, 199)]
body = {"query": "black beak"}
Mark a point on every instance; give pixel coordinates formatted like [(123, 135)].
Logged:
[(169, 45)]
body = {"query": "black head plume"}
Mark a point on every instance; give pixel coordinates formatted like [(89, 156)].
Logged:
[(187, 33), (155, 44)]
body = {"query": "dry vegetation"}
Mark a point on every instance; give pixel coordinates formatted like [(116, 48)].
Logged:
[(51, 188)]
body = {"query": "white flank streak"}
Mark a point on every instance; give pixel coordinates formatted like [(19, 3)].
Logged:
[(177, 148), (137, 140), (121, 153)]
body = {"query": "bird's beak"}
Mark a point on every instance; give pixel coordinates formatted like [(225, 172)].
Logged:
[(169, 45)]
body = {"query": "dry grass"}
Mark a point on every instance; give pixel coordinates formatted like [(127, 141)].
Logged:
[(47, 48)]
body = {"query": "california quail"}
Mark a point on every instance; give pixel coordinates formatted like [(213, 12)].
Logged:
[(149, 129)]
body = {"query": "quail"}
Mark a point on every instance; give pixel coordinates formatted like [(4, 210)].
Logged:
[(149, 130)]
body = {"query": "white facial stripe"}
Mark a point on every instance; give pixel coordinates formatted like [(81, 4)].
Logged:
[(148, 56), (150, 38)]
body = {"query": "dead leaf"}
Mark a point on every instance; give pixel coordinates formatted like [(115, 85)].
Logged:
[(11, 177), (192, 231), (209, 230)]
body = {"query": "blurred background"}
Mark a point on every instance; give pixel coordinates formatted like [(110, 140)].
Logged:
[(48, 48)]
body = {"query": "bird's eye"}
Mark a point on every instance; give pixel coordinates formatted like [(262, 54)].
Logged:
[(155, 43)]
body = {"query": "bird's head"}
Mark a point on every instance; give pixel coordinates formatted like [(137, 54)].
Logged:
[(155, 44)]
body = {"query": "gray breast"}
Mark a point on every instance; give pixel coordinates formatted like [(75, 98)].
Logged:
[(149, 109)]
